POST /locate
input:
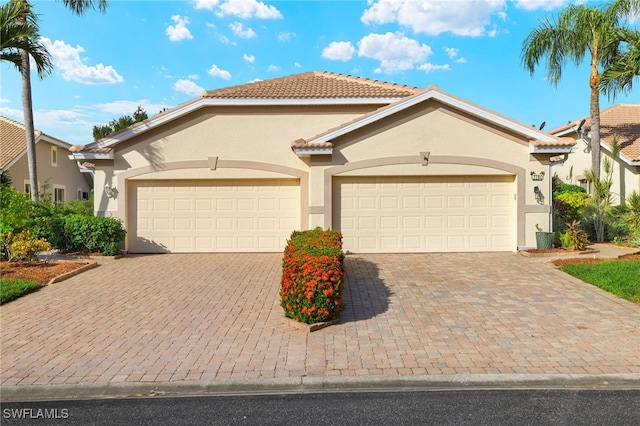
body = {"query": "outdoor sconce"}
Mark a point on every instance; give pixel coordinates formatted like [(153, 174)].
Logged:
[(538, 194), (111, 192), (537, 176)]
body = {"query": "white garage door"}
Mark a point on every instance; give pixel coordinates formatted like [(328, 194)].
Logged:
[(213, 216), (425, 213)]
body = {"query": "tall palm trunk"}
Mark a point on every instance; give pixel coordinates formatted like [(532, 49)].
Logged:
[(594, 112), (27, 107)]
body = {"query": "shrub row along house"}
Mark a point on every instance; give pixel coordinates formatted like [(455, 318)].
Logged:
[(394, 168)]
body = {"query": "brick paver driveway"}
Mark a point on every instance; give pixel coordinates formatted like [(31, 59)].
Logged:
[(215, 316)]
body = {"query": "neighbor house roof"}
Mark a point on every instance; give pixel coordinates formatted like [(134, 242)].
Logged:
[(620, 120), (314, 85), (309, 88), (540, 142), (13, 143)]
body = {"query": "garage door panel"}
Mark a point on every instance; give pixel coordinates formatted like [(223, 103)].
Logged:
[(214, 215), (425, 213)]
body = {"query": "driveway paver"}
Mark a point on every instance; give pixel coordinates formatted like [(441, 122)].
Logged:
[(208, 317)]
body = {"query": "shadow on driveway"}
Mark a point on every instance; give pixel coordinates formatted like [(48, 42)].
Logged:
[(365, 294)]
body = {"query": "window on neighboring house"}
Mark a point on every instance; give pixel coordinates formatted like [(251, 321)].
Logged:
[(80, 194), (58, 195), (27, 188), (54, 156)]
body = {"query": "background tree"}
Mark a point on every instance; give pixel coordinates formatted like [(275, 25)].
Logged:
[(20, 38), (78, 7), (580, 30), (625, 66), (102, 131)]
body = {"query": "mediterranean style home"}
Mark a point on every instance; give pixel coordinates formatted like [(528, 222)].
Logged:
[(57, 174), (394, 168), (621, 121)]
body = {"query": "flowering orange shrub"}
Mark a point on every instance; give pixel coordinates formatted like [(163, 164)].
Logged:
[(312, 276)]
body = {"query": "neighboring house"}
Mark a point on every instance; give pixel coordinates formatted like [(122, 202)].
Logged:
[(57, 174), (394, 168), (622, 121)]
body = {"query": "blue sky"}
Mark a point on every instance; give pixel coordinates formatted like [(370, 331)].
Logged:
[(159, 54)]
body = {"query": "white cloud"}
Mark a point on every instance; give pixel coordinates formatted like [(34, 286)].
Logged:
[(188, 87), (395, 51), (249, 58), (15, 114), (66, 59), (339, 51), (128, 107), (193, 77), (540, 4), (217, 72), (206, 4), (452, 52), (272, 68), (179, 31), (461, 60), (225, 40), (239, 30), (465, 18), (285, 36), (429, 67), (297, 64), (244, 9)]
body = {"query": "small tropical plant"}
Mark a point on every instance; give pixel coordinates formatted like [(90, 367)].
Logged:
[(598, 207), (574, 238)]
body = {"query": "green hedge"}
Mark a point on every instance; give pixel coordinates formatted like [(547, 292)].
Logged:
[(312, 276), (87, 234)]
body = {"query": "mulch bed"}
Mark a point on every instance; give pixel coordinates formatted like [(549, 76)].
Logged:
[(39, 271)]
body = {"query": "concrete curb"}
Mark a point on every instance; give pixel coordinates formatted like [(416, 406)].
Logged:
[(70, 274), (319, 384)]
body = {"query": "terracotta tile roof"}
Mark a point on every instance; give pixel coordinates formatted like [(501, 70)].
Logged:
[(564, 141), (12, 141), (314, 85), (622, 120)]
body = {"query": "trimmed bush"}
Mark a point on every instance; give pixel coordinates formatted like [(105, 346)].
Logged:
[(24, 245), (87, 234), (312, 276)]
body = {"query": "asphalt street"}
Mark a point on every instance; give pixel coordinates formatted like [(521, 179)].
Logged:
[(429, 407)]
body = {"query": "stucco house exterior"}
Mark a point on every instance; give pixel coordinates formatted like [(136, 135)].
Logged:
[(620, 120), (394, 168), (57, 174)]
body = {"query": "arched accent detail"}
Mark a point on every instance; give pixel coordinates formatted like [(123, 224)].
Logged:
[(519, 172), (219, 164)]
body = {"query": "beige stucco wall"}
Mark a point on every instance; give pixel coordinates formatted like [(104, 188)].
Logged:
[(66, 175), (626, 178), (457, 144), (258, 141), (246, 134)]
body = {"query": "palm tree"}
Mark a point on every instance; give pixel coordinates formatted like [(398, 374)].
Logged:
[(580, 29), (625, 67), (78, 7), (20, 38)]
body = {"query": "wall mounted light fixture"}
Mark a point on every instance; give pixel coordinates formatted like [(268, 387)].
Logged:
[(110, 192), (538, 194)]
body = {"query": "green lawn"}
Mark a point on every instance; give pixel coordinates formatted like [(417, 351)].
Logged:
[(12, 289), (619, 278)]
